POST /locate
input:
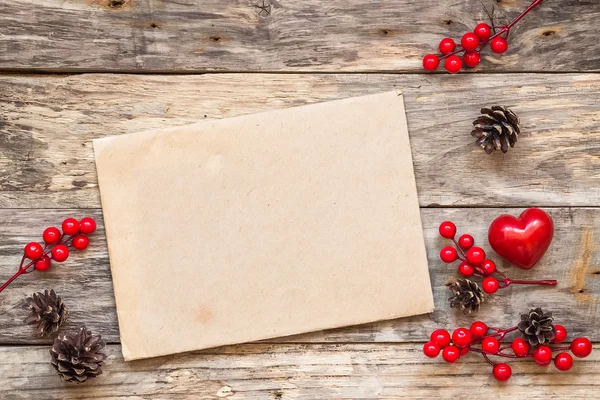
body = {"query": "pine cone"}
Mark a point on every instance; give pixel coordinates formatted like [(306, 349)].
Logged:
[(496, 129), (77, 356), (537, 327), (47, 311), (467, 295)]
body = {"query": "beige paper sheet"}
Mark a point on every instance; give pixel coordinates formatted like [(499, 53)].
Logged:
[(265, 225)]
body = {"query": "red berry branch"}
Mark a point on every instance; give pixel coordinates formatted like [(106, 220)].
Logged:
[(474, 263), (74, 233), (471, 45), (537, 334)]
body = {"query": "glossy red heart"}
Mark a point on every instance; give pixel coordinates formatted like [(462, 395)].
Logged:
[(524, 240)]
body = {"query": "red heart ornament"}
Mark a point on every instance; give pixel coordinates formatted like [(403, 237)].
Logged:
[(524, 240)]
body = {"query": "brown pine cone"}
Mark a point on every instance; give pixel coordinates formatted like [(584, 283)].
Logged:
[(467, 295), (78, 356), (537, 327), (497, 129), (47, 311)]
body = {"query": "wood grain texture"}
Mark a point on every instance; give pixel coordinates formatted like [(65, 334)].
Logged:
[(84, 280), (284, 35), (47, 124), (293, 371)]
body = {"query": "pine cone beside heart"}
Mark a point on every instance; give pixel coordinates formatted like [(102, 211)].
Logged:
[(47, 311), (537, 327), (497, 129), (467, 295), (78, 356)]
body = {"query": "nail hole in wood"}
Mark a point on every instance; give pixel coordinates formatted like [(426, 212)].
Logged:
[(215, 38), (596, 273), (385, 32), (548, 33), (581, 290), (154, 25), (448, 21), (79, 183), (117, 3)]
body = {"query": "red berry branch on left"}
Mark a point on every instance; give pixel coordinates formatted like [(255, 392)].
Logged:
[(56, 246), (471, 45), (474, 262)]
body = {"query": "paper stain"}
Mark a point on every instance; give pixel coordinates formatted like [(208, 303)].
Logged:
[(580, 271), (204, 315)]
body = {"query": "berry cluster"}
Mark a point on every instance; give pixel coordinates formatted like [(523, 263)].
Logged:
[(480, 338), (471, 45), (74, 233), (474, 262)]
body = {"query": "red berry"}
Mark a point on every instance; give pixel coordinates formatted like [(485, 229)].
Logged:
[(488, 266), (472, 59), (431, 349), (502, 372), (465, 269), (431, 62), (451, 354), (464, 350), (81, 242), (33, 251), (60, 253), (441, 337), (462, 337), (448, 254), (475, 256), (490, 285), (70, 226), (490, 345), (520, 347), (563, 361), (499, 45), (447, 46), (466, 242), (561, 334), (581, 347), (483, 31), (542, 355), (87, 225), (51, 235), (43, 264), (469, 41), (478, 329), (453, 64), (447, 230)]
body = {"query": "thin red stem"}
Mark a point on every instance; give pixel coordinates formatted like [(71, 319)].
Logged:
[(21, 271), (550, 282), (459, 249), (534, 4), (459, 50), (487, 359)]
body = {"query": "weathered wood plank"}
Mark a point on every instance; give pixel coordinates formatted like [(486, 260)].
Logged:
[(278, 372), (47, 124), (284, 35), (84, 280)]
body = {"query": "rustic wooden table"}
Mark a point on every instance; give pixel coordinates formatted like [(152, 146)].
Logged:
[(74, 70)]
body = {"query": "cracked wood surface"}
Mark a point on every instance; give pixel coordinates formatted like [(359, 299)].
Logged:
[(48, 123), (296, 371), (47, 173), (84, 280), (285, 35)]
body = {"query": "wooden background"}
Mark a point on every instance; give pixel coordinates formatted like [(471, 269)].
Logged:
[(74, 70)]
